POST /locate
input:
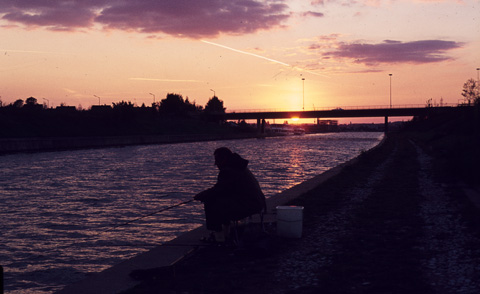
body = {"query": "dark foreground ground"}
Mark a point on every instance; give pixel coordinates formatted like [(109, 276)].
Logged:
[(394, 222)]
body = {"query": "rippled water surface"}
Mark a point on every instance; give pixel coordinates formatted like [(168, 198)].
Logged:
[(64, 213)]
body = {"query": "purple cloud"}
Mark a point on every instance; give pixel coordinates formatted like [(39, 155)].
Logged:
[(389, 51), (54, 15), (313, 14), (184, 18)]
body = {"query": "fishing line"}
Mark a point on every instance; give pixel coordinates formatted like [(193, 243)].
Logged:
[(147, 215), (58, 215), (90, 238)]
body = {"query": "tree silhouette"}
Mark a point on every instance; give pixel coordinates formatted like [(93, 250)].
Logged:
[(124, 110), (192, 107), (31, 104), (31, 101), (214, 105), (172, 104), (471, 92), (123, 105), (18, 103), (172, 115)]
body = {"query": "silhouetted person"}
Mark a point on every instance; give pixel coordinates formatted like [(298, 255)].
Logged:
[(236, 194)]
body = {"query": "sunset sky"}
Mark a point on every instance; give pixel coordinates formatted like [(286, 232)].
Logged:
[(251, 54)]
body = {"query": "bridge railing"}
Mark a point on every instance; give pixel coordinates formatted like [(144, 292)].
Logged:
[(400, 106)]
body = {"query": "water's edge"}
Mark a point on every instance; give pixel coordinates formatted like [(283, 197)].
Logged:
[(17, 145)]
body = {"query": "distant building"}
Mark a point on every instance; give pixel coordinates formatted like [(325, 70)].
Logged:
[(325, 126), (101, 108), (65, 109)]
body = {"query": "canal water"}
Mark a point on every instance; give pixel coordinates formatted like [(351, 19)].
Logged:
[(64, 213)]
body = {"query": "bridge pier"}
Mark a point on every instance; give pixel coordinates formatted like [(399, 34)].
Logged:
[(260, 127), (386, 125)]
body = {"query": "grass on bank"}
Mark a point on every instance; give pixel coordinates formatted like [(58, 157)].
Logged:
[(454, 142)]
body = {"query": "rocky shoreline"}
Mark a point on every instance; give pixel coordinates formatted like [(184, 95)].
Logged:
[(389, 223)]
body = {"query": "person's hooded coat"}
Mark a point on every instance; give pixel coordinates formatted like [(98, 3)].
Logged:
[(237, 189)]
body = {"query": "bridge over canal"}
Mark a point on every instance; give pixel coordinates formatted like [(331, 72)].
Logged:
[(406, 111)]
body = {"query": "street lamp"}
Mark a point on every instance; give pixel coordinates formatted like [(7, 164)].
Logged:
[(478, 81), (213, 92), (303, 82), (153, 97), (390, 90), (98, 99)]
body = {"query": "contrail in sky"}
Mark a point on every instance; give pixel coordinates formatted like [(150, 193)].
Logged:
[(262, 57), (165, 80), (247, 53), (29, 51)]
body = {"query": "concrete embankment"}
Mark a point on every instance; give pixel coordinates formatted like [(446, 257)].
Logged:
[(17, 145)]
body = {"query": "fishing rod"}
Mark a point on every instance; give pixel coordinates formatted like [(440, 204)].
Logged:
[(55, 217), (130, 221), (144, 216)]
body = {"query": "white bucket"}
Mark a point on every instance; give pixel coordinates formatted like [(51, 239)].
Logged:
[(289, 221)]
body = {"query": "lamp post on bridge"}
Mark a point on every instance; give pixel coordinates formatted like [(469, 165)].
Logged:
[(478, 82), (213, 92), (390, 90), (153, 97), (303, 82), (48, 102)]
